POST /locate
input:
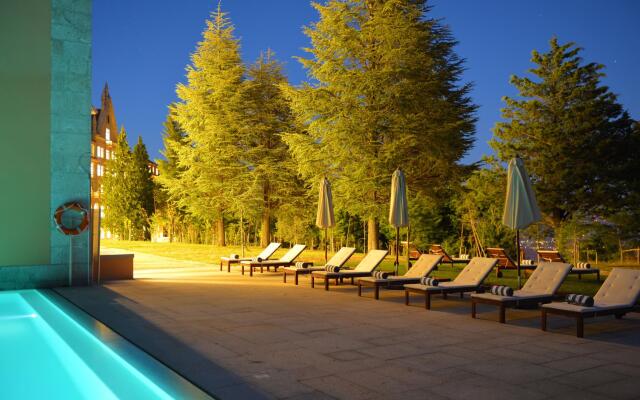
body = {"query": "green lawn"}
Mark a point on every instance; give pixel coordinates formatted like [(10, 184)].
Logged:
[(211, 254)]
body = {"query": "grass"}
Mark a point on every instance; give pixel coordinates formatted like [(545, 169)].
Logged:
[(211, 254)]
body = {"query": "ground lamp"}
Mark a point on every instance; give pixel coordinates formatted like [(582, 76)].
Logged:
[(398, 209), (325, 218), (520, 206)]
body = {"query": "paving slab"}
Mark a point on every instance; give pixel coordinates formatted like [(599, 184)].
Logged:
[(252, 338)]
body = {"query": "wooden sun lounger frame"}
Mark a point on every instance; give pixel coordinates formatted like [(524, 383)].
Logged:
[(554, 255), (386, 284), (272, 263), (338, 277), (444, 291), (580, 316), (505, 261), (229, 261), (510, 303), (297, 272), (438, 250)]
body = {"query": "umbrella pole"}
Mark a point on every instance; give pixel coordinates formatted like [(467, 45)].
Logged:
[(518, 256), (397, 263), (325, 246)]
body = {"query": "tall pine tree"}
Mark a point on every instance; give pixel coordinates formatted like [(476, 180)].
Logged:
[(575, 138), (173, 138), (143, 188), (212, 171), (268, 116), (386, 93), (122, 207)]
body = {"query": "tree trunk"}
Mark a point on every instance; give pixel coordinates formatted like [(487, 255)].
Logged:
[(372, 242), (220, 232), (265, 232)]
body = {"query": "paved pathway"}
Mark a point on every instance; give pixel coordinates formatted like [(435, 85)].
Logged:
[(251, 338)]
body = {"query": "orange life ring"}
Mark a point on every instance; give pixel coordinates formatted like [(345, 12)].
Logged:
[(74, 206)]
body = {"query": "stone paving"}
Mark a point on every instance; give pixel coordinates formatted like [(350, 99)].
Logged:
[(257, 338)]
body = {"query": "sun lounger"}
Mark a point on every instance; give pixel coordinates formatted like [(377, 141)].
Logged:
[(438, 250), (426, 264), (365, 268), (504, 261), (285, 261), (555, 256), (540, 288), (266, 253), (617, 296), (468, 280), (338, 259)]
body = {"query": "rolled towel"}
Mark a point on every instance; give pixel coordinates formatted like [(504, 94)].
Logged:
[(527, 262), (429, 281), (380, 274), (583, 265), (234, 256), (501, 290), (332, 268), (257, 259), (580, 300), (302, 264), (464, 256)]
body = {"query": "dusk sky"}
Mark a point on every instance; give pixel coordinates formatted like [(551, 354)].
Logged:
[(141, 48)]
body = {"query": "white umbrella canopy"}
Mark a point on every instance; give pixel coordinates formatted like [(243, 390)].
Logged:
[(520, 206), (325, 218), (398, 208)]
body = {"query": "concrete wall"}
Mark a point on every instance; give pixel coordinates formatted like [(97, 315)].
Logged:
[(68, 94)]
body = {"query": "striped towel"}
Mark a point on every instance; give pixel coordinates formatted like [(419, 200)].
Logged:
[(501, 290), (257, 259), (302, 264), (234, 256), (429, 281), (580, 300), (380, 274), (332, 268), (527, 262), (583, 265)]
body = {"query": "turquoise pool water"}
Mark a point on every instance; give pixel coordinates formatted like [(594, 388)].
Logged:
[(49, 350)]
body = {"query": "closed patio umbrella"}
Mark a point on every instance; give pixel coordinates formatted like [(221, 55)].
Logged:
[(325, 218), (520, 206), (398, 209)]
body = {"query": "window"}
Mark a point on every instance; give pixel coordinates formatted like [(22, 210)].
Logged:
[(100, 170), (107, 134), (108, 155), (92, 170), (99, 152)]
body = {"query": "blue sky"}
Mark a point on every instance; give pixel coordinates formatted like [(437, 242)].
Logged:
[(141, 48)]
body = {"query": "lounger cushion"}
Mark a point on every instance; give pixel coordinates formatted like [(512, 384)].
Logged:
[(424, 266), (371, 261), (269, 250), (341, 256), (622, 287), (441, 287), (475, 272), (547, 278), (517, 295), (580, 309)]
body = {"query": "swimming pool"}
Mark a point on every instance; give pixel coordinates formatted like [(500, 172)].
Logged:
[(51, 350)]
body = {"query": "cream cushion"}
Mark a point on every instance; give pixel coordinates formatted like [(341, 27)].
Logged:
[(424, 266), (620, 290), (469, 278), (546, 278), (621, 287), (370, 261)]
